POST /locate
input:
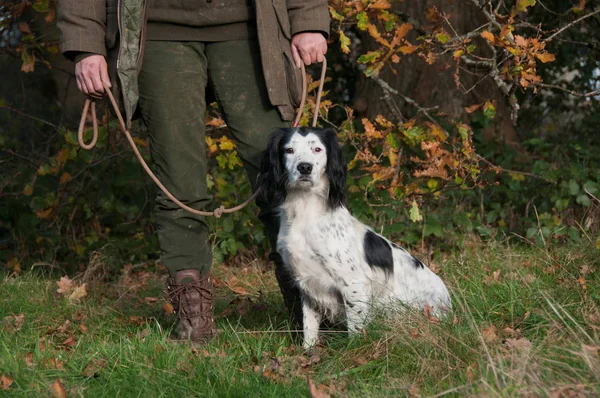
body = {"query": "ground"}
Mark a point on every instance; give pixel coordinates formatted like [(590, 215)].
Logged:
[(526, 322)]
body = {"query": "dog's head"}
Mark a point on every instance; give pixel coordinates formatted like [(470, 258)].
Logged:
[(303, 159)]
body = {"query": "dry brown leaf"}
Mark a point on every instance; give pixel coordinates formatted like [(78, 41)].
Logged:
[(150, 300), (521, 344), (471, 373), (490, 334), (94, 367), (168, 308), (82, 328), (488, 36), (29, 359), (78, 293), (472, 108), (65, 285), (19, 320), (58, 390), (240, 290), (65, 327), (317, 391), (5, 382), (52, 363)]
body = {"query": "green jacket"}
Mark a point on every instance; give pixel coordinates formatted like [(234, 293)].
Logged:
[(116, 29)]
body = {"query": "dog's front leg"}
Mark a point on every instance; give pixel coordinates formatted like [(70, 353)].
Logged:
[(357, 308), (312, 320)]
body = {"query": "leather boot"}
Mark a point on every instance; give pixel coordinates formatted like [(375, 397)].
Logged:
[(289, 290), (192, 298)]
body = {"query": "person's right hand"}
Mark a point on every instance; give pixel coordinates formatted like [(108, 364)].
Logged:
[(90, 72)]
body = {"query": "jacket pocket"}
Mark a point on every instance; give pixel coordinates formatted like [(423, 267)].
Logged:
[(112, 25), (293, 75)]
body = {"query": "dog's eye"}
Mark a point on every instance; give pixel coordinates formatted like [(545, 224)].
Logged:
[(289, 150), (317, 149)]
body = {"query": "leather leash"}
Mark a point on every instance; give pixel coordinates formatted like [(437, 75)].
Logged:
[(219, 211)]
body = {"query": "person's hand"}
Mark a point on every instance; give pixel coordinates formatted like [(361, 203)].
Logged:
[(308, 47), (90, 72)]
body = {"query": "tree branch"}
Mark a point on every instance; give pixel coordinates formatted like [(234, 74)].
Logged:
[(571, 92), (567, 26)]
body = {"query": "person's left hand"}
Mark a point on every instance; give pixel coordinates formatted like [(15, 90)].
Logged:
[(308, 47)]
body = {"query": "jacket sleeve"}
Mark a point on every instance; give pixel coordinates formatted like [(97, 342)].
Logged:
[(82, 26), (309, 15)]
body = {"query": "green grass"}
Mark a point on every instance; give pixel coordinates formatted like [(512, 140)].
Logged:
[(530, 329)]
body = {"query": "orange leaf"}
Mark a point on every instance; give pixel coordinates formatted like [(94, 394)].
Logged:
[(58, 390), (370, 130), (401, 31), (472, 108), (168, 308), (521, 41), (380, 4), (545, 57), (5, 382), (488, 36), (64, 178), (408, 49), (317, 391), (240, 290)]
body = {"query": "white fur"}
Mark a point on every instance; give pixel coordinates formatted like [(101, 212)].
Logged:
[(324, 250)]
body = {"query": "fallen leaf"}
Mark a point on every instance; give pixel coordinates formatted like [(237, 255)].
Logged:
[(316, 392), (65, 327), (471, 373), (52, 363), (490, 334), (150, 300), (65, 285), (29, 359), (521, 344), (19, 321), (58, 390), (168, 308), (5, 382), (78, 293), (82, 328), (142, 334), (240, 290), (94, 367)]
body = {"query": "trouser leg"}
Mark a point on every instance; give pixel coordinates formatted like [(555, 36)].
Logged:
[(237, 79), (172, 102)]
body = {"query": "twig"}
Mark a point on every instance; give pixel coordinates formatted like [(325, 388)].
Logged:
[(571, 92), (592, 195), (37, 119), (502, 169), (567, 26), (386, 87)]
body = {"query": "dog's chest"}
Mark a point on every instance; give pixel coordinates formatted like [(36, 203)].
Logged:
[(323, 248)]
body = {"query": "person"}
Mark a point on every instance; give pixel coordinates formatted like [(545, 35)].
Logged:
[(160, 57)]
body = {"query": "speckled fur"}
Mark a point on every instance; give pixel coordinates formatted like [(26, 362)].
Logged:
[(323, 244)]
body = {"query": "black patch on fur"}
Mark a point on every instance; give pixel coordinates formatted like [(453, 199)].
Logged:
[(378, 253), (417, 263)]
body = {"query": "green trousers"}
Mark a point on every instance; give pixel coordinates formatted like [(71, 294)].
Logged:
[(172, 84)]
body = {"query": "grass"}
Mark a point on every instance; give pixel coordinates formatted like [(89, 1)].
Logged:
[(526, 323)]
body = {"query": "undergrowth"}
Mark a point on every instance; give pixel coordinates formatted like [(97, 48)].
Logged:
[(526, 322)]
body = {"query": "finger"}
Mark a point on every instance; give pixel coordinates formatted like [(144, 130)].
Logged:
[(324, 47), (305, 56), (91, 91), (78, 81), (314, 56), (104, 74), (296, 56), (320, 57), (97, 82)]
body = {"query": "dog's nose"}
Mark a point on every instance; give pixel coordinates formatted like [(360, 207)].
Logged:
[(305, 168)]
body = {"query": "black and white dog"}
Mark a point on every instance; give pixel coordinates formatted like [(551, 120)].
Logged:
[(340, 265)]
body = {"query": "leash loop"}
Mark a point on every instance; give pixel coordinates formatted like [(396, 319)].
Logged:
[(217, 212), (304, 93)]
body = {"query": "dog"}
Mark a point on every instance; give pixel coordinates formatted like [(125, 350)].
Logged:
[(340, 265)]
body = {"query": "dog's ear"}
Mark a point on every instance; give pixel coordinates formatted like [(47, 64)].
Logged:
[(273, 177), (336, 170)]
